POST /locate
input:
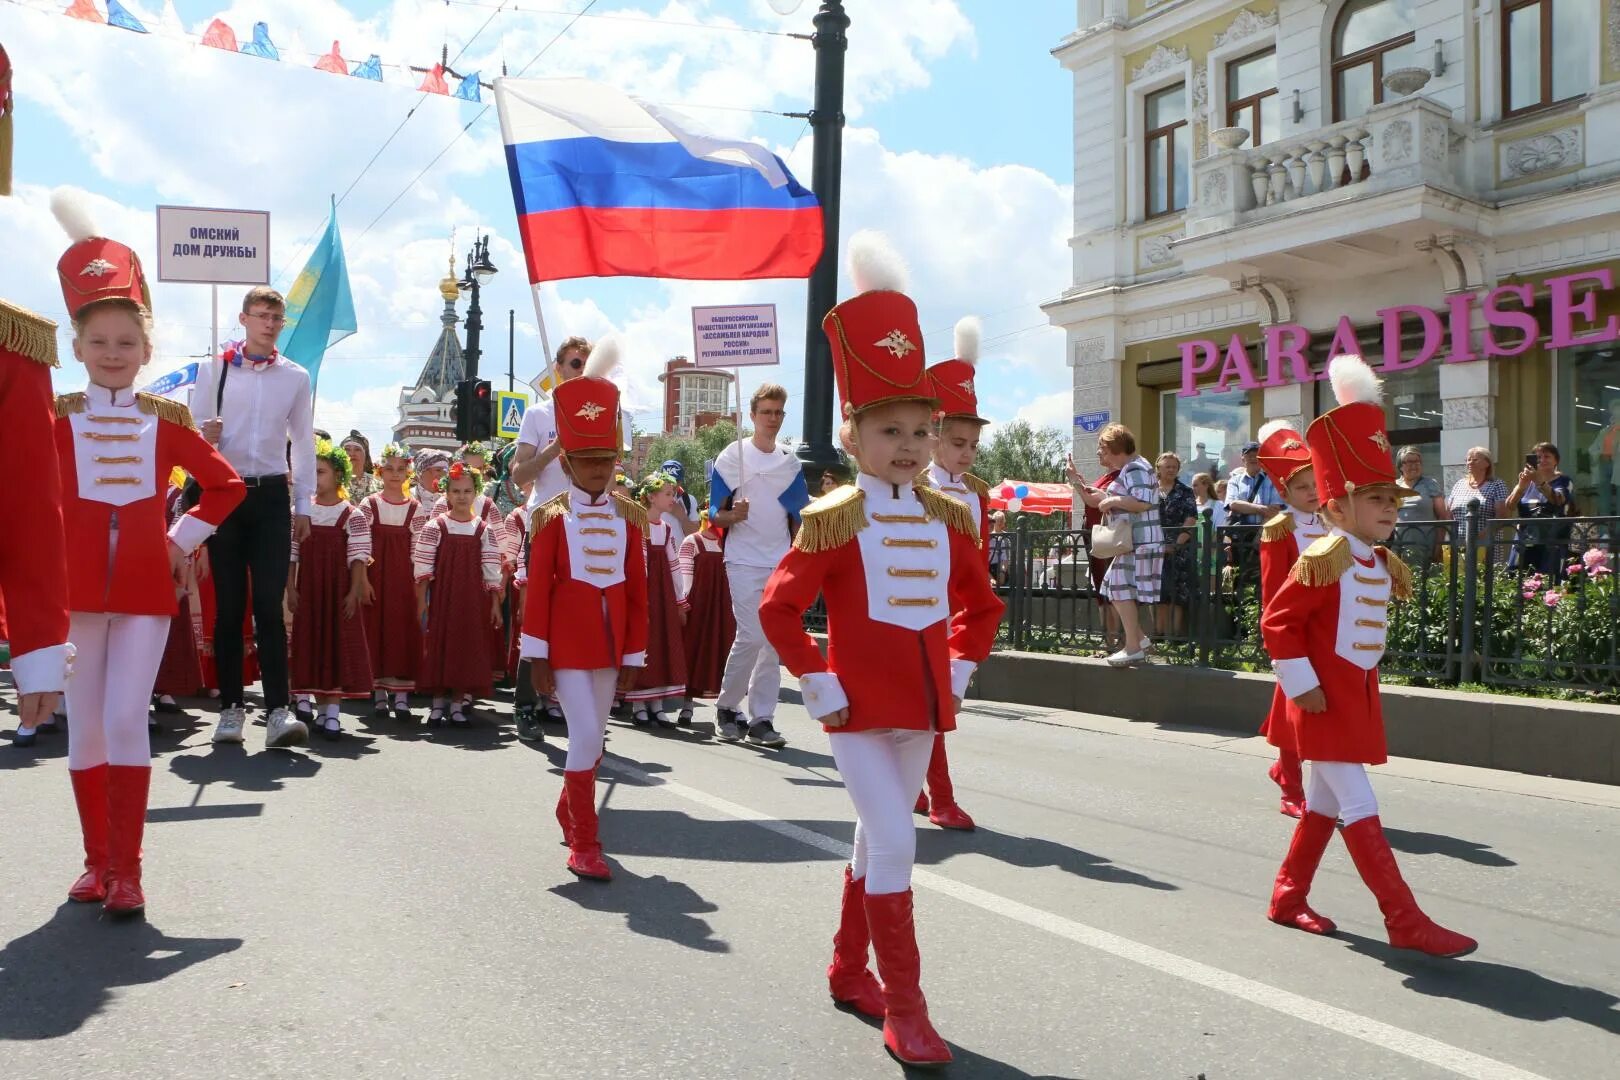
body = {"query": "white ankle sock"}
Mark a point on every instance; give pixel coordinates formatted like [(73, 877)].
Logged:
[(401, 701)]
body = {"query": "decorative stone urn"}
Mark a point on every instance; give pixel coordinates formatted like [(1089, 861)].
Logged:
[(1229, 138), (1406, 80)]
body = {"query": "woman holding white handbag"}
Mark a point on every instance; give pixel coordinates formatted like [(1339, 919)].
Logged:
[(1131, 534)]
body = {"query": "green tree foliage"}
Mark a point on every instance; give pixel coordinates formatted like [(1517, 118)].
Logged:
[(1018, 451), (694, 453)]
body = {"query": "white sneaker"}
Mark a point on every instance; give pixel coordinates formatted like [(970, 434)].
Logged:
[(1147, 646), (284, 730), (1126, 659), (229, 729)]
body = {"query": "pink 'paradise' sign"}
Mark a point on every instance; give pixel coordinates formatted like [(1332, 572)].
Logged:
[(1285, 345)]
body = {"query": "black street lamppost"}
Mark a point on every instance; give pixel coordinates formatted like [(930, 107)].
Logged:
[(479, 270), (816, 451)]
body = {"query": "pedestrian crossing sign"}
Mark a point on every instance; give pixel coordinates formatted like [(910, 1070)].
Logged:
[(509, 408)]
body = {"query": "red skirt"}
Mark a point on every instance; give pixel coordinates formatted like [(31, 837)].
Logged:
[(393, 629), (456, 650), (250, 650), (710, 625), (180, 673), (328, 652), (665, 672)]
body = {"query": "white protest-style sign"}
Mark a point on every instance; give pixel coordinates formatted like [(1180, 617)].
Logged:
[(203, 246), (730, 337)]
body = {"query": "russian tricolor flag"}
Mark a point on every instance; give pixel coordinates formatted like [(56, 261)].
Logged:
[(608, 186)]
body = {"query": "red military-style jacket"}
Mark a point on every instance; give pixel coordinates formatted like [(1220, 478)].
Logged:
[(586, 604), (973, 493), (891, 563), (1281, 540), (117, 449), (1327, 627)]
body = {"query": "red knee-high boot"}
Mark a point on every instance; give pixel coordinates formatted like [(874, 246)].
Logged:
[(1404, 921), (1293, 887), (127, 788), (563, 818), (584, 849), (907, 1032), (90, 794), (943, 810), (1288, 773), (848, 978)]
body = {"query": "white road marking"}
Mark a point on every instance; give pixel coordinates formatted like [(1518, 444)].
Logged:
[(1342, 1021)]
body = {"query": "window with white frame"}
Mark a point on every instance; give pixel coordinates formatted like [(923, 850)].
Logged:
[(1370, 39), (1167, 150), (1546, 52)]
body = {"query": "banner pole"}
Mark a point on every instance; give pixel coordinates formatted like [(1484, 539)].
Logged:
[(540, 322)]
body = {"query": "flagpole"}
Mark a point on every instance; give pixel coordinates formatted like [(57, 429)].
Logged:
[(540, 321)]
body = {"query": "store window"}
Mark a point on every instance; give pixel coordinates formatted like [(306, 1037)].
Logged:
[(1370, 39), (1413, 414), (1546, 51), (1588, 410), (1251, 96), (1207, 432), (1167, 150)]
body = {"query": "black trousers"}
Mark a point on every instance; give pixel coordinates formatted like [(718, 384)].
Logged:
[(254, 544)]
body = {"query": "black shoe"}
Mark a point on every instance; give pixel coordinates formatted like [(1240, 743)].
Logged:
[(554, 714), (620, 711), (459, 720), (528, 724), (25, 741), (329, 732), (54, 725), (728, 725), (152, 726), (685, 719), (402, 713), (663, 721), (379, 708), (304, 713), (159, 705), (641, 718), (763, 733)]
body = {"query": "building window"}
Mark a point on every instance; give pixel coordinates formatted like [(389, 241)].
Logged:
[(1370, 38), (1546, 52), (1168, 150), (1251, 96), (1589, 425), (1207, 432)]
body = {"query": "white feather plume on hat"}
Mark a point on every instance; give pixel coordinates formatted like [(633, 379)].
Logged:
[(1270, 428), (874, 264), (72, 213), (968, 334), (604, 358), (1353, 381)]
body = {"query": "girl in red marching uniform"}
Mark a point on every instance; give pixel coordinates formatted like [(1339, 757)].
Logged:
[(393, 628), (460, 556), (710, 624), (327, 592), (117, 449), (585, 609), (910, 613), (661, 682), (1325, 630)]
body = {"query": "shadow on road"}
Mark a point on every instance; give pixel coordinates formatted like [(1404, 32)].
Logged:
[(55, 978), (935, 846), (654, 907), (1424, 843), (242, 769), (1511, 991)]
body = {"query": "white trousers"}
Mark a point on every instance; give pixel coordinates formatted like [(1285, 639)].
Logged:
[(111, 689), (1340, 789), (883, 771), (752, 667), (585, 696)]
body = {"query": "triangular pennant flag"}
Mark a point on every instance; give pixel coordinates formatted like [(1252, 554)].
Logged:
[(434, 82), (86, 10), (118, 15), (333, 62), (169, 24), (219, 36), (371, 69), (261, 45), (468, 90)]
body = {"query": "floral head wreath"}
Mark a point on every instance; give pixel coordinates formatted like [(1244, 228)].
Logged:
[(653, 482), (474, 449), (456, 472), (621, 480), (398, 452), (338, 458)]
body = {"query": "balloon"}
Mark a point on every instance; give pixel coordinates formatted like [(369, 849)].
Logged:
[(1007, 491), (1014, 505), (1021, 491)]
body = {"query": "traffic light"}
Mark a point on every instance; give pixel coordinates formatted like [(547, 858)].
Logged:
[(475, 411)]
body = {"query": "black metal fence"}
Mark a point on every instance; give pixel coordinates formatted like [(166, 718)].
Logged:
[(1508, 602)]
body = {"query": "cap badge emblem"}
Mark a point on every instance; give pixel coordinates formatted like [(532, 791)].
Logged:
[(1293, 444), (1380, 440), (97, 268), (591, 410), (897, 343), (967, 386)]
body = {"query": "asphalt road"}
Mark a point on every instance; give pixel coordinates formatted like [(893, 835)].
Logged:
[(396, 905)]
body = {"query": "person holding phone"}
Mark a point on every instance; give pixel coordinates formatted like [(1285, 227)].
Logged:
[(1542, 494)]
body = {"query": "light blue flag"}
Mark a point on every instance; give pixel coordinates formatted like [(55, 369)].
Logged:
[(320, 308), (371, 69), (468, 90), (261, 45), (173, 381), (119, 15)]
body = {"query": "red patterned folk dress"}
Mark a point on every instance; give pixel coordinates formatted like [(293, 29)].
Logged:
[(328, 651), (463, 561), (664, 676), (393, 629)]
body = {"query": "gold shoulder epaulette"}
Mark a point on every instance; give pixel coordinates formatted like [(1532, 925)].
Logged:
[(164, 409), (71, 404), (554, 507), (953, 512), (1324, 562), (24, 332), (632, 512), (832, 521), (1400, 575), (1278, 527), (979, 487)]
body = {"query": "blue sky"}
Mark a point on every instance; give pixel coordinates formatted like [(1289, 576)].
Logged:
[(958, 146)]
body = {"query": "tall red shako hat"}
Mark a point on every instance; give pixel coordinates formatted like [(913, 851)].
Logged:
[(1283, 452), (1349, 446), (877, 344), (953, 379), (587, 408), (94, 268)]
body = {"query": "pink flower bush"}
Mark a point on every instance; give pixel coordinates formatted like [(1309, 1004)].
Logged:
[(1595, 558), (1551, 598)]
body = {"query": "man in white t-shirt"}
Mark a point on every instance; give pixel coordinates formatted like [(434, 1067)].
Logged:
[(538, 458), (756, 491)]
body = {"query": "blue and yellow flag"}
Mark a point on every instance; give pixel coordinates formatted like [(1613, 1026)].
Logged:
[(320, 308)]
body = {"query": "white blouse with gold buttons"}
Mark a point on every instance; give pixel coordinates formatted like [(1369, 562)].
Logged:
[(114, 448), (596, 539), (906, 555), (954, 486), (1364, 593)]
